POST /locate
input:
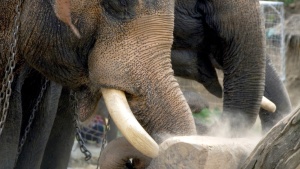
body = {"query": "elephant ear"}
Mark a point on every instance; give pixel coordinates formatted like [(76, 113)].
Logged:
[(63, 12)]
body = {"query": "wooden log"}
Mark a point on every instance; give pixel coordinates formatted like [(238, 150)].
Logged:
[(194, 152), (280, 148)]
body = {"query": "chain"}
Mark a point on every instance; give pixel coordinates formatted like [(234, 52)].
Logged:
[(83, 149), (104, 138), (34, 110), (11, 64)]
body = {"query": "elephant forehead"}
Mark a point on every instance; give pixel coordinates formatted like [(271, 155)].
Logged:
[(120, 9), (129, 9)]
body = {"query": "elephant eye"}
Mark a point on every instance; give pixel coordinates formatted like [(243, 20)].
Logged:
[(120, 9)]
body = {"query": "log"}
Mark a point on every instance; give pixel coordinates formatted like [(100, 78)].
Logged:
[(194, 152), (280, 148)]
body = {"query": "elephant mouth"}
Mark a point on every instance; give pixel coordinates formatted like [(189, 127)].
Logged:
[(120, 112)]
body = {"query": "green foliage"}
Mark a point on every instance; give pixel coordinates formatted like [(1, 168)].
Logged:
[(207, 116)]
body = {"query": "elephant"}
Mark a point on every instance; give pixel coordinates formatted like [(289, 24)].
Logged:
[(208, 34), (205, 39), (115, 49)]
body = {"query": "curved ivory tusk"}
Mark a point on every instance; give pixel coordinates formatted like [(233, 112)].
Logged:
[(120, 112), (268, 105)]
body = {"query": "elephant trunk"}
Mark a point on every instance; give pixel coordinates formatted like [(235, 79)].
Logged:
[(244, 68), (167, 112), (243, 45)]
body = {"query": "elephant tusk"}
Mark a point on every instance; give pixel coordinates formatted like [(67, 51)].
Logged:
[(268, 105), (131, 129)]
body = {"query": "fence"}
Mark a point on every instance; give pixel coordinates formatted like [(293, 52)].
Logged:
[(273, 13)]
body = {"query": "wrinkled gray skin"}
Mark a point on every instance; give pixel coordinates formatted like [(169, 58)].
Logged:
[(114, 33)]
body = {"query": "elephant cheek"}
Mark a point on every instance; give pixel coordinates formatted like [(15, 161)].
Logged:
[(125, 53)]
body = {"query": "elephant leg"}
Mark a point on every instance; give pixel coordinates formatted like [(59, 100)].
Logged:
[(33, 150), (277, 93), (59, 146), (10, 136)]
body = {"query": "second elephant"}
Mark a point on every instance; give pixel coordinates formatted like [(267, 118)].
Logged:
[(215, 34)]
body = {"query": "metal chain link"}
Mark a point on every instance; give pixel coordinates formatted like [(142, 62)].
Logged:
[(11, 64), (83, 149), (34, 110), (104, 138)]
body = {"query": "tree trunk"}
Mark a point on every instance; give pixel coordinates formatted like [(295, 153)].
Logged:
[(280, 148), (194, 152)]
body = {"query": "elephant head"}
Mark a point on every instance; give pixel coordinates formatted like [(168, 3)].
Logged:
[(97, 46)]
